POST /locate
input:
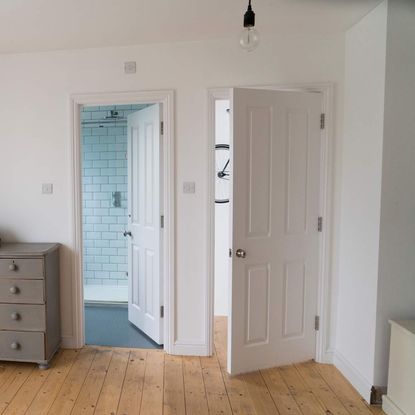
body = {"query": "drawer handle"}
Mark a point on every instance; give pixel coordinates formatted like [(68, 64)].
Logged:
[(13, 267), (15, 316), (14, 290), (15, 346)]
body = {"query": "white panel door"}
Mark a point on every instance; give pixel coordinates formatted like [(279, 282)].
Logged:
[(144, 207), (276, 143)]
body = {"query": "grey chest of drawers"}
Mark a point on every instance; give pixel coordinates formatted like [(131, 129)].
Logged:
[(29, 302)]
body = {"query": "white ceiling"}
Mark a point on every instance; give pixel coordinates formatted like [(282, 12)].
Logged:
[(40, 25)]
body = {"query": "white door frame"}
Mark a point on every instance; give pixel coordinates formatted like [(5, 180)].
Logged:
[(165, 97), (323, 351)]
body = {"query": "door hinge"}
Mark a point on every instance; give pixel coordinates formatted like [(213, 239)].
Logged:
[(317, 323), (161, 127), (162, 221), (320, 224), (230, 252), (162, 311), (322, 121)]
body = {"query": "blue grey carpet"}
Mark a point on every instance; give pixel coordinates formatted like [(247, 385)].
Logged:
[(108, 325)]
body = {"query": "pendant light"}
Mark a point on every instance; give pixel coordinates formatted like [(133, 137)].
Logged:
[(249, 38)]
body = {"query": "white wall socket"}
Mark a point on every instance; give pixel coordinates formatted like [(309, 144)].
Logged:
[(47, 188)]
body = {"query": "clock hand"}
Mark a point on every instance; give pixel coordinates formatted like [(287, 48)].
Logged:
[(222, 174), (226, 165)]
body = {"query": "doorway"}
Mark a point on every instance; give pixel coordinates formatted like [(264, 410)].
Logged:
[(109, 182), (222, 208), (279, 154), (122, 153), (222, 224)]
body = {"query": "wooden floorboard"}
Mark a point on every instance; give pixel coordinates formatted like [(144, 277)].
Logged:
[(280, 393), (116, 381), (194, 387), (153, 388), (173, 400), (216, 394), (132, 390)]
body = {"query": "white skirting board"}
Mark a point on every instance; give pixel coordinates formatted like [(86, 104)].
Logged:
[(389, 407), (359, 382), (105, 293)]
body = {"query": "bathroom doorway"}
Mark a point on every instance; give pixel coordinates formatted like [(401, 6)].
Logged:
[(122, 211), (222, 223)]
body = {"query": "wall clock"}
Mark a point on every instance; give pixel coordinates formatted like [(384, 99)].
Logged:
[(222, 173)]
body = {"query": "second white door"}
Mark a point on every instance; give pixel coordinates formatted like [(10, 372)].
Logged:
[(276, 144), (144, 225)]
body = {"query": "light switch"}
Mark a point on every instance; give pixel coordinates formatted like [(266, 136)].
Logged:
[(47, 188), (130, 67), (189, 187)]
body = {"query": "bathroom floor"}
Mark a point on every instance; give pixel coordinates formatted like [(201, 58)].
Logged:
[(108, 325)]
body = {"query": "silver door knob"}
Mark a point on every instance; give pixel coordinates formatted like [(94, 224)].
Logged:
[(127, 233), (15, 346), (240, 253), (15, 316), (13, 290), (12, 267)]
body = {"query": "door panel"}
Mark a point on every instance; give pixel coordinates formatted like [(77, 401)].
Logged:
[(294, 296), (260, 139), (297, 172), (145, 290), (275, 207), (257, 316)]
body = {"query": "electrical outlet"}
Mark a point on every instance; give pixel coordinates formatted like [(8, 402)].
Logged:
[(189, 187), (130, 67), (47, 188)]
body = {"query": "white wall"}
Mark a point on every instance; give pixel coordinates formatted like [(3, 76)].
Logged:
[(222, 222), (360, 200), (35, 138), (396, 287)]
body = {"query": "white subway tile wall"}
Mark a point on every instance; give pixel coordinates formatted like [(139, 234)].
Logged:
[(104, 148)]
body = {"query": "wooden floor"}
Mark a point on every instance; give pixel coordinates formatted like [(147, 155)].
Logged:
[(98, 380)]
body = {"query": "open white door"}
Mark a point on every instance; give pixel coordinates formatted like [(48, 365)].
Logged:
[(276, 142), (144, 207)]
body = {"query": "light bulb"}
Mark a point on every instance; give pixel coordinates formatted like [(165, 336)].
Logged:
[(249, 39)]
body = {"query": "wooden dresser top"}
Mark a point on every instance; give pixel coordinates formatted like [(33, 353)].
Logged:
[(8, 249)]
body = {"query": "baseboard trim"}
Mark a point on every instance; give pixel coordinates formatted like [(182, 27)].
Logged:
[(69, 343), (328, 356), (183, 349), (117, 304), (390, 408), (359, 382)]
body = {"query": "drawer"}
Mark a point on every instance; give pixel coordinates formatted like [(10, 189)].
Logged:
[(27, 268), (22, 345), (21, 291), (22, 317)]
